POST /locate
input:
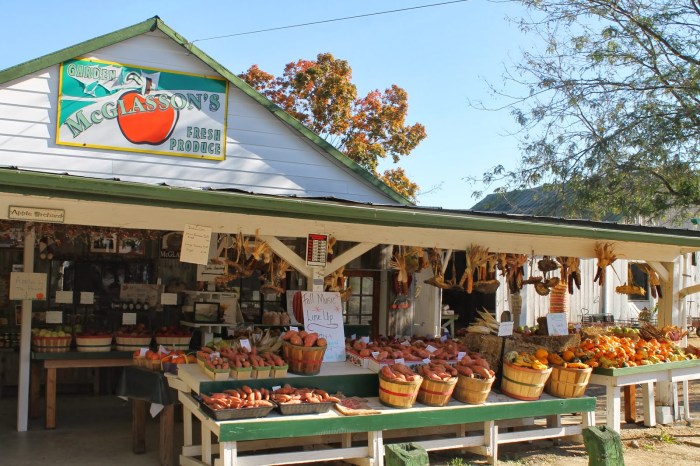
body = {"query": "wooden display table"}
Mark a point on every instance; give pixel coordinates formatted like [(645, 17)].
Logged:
[(614, 379), (53, 361), (331, 427)]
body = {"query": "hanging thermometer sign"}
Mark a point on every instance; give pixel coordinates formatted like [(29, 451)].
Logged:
[(316, 250)]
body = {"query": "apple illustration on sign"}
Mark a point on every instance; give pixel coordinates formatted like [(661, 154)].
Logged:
[(145, 118)]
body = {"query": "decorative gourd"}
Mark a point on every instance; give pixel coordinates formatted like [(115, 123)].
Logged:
[(298, 307)]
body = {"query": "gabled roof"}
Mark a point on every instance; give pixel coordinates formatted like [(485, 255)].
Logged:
[(156, 23)]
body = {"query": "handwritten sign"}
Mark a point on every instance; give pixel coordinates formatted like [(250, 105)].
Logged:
[(54, 317), (557, 324), (196, 240), (505, 329), (64, 297), (129, 318), (323, 314), (87, 297), (168, 299), (27, 285)]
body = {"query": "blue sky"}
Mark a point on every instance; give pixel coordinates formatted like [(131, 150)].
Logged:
[(443, 56)]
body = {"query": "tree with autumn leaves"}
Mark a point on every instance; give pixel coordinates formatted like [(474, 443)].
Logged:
[(320, 94)]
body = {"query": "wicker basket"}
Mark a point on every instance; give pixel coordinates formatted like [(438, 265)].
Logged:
[(523, 383), (399, 394), (132, 343), (436, 393), (303, 360), (51, 344), (567, 382), (93, 344), (178, 343), (471, 390)]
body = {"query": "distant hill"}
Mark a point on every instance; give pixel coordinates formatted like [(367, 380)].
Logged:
[(541, 202)]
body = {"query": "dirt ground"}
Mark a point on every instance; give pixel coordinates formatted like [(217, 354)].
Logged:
[(677, 444)]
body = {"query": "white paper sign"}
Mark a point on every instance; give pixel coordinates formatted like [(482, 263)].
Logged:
[(142, 352), (87, 297), (505, 329), (430, 349), (375, 354), (195, 244), (323, 314), (461, 355), (54, 317), (245, 344), (27, 285), (557, 323), (426, 360), (364, 339), (64, 297), (399, 361), (168, 299), (129, 318), (292, 328)]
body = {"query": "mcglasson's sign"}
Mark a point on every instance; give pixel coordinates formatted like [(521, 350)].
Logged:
[(123, 107)]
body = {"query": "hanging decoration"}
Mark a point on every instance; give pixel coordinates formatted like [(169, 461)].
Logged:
[(569, 268), (654, 280), (629, 288), (478, 258), (605, 253), (438, 278)]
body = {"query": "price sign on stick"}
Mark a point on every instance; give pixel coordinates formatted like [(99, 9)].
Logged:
[(557, 324), (505, 329)]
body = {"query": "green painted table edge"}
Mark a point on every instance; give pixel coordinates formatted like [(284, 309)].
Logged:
[(73, 355), (664, 366), (420, 417)]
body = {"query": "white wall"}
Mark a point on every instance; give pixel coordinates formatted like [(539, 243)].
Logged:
[(263, 155)]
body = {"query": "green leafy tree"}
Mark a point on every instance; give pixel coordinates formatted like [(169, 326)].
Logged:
[(611, 113), (320, 94)]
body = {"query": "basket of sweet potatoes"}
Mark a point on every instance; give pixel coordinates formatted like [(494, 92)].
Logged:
[(303, 351)]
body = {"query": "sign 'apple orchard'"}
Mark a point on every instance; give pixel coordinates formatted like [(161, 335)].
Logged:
[(122, 107)]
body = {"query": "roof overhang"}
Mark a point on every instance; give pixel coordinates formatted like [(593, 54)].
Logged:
[(113, 203)]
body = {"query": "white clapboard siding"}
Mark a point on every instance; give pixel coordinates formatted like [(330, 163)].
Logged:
[(263, 155)]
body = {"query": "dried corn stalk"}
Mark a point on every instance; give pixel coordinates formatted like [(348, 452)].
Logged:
[(435, 261), (570, 272), (515, 271), (336, 282), (605, 253), (477, 259)]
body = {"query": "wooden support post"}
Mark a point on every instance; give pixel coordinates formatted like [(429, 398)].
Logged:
[(630, 394), (166, 448), (35, 390), (187, 427), (375, 447), (51, 398), (649, 404), (138, 426), (206, 444), (228, 453), (491, 440)]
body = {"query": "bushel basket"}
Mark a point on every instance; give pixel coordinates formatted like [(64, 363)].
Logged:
[(471, 390), (436, 392), (568, 382), (303, 360), (523, 383), (397, 393)]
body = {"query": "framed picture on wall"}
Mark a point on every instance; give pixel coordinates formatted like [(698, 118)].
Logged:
[(131, 245), (103, 243)]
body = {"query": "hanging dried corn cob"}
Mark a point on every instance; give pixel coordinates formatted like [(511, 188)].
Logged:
[(605, 253)]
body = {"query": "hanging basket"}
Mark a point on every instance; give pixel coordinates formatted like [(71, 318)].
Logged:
[(436, 393), (486, 286), (303, 360), (523, 383), (398, 394), (568, 382), (471, 390)]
